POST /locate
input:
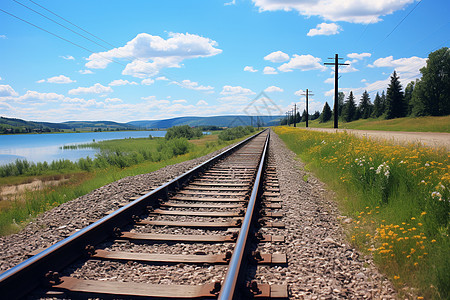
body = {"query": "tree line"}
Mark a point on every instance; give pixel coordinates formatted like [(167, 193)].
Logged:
[(428, 96)]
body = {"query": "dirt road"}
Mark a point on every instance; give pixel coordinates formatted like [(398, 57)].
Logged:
[(430, 139)]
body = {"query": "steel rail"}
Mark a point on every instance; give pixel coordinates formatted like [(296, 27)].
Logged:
[(26, 276), (230, 284)]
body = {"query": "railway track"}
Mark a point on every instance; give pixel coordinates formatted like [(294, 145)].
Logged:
[(200, 229)]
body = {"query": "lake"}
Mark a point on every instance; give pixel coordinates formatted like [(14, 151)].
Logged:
[(46, 147)]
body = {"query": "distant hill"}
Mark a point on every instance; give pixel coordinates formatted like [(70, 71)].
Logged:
[(220, 121), (104, 125), (12, 125)]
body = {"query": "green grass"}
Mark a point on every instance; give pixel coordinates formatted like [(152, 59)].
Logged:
[(398, 198), (421, 124), (15, 214)]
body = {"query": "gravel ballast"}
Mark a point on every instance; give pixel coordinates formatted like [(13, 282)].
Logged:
[(59, 222)]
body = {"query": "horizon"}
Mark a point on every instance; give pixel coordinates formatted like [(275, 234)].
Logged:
[(126, 122), (176, 59)]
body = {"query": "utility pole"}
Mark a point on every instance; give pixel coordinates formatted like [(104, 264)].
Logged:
[(336, 89), (295, 114), (307, 112)]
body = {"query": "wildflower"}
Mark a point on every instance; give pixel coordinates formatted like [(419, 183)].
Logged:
[(436, 194), (423, 213), (396, 277)]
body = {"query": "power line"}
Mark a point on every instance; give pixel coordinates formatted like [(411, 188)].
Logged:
[(60, 37), (397, 25), (97, 37), (72, 23), (60, 24)]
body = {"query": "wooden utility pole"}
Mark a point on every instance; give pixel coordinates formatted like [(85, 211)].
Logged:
[(307, 112), (336, 89), (295, 114)]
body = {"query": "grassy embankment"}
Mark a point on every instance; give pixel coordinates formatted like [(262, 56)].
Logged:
[(422, 124), (118, 159), (397, 198)]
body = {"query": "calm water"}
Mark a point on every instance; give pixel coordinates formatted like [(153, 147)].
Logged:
[(46, 147)]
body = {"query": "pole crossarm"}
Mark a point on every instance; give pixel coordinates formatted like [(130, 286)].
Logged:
[(336, 88), (308, 93)]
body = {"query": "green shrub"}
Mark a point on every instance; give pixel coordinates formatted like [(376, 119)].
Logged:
[(184, 131), (235, 133)]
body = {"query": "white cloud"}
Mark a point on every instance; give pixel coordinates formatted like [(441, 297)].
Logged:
[(162, 78), (61, 79), (409, 66), (113, 100), (192, 85), (2, 36), (269, 71), (329, 80), (85, 72), (7, 91), (354, 11), (299, 93), (44, 97), (363, 80), (230, 3), (95, 89), (1, 78), (201, 102), (303, 63), (121, 82), (277, 57), (325, 29), (154, 53), (179, 101), (149, 98), (250, 69), (359, 56), (236, 90), (347, 69), (68, 57), (273, 89), (147, 81)]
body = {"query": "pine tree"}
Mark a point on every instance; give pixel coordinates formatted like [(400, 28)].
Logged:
[(316, 115), (365, 106), (348, 112), (408, 96), (377, 106), (326, 113), (383, 102), (341, 98), (395, 106), (304, 116)]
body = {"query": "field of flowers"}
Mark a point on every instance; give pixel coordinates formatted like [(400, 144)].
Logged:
[(397, 197)]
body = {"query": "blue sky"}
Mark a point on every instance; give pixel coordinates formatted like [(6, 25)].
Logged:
[(160, 59)]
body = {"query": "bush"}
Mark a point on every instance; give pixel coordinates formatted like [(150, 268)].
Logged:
[(235, 133), (184, 131)]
